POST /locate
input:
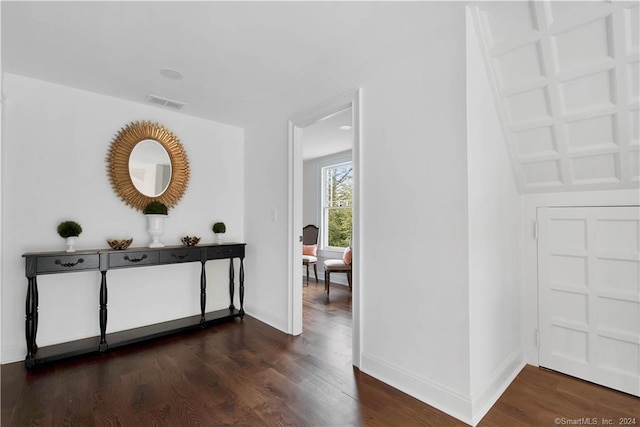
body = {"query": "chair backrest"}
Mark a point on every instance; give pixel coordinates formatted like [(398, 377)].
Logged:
[(309, 235)]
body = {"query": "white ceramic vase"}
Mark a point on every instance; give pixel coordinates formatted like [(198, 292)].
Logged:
[(155, 228), (219, 238), (70, 242)]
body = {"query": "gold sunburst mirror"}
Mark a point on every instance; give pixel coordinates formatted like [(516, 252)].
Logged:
[(147, 162)]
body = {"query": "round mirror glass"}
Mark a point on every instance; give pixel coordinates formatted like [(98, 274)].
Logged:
[(150, 168)]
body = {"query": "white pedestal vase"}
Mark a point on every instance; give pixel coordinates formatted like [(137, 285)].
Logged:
[(70, 242), (219, 238), (155, 228)]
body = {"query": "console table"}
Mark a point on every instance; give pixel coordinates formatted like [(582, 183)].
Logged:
[(103, 260)]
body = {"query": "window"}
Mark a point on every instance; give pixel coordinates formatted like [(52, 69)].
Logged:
[(337, 203)]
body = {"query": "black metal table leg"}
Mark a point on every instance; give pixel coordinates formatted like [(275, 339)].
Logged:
[(203, 293), (31, 321), (103, 312), (241, 288), (232, 285), (36, 303)]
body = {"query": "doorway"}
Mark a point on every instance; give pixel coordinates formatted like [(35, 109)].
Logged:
[(323, 112)]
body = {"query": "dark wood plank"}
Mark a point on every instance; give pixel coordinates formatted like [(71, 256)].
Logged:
[(247, 373), (542, 397)]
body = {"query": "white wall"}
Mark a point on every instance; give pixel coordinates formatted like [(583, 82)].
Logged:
[(530, 204), (1, 173), (414, 240), (55, 145), (414, 253), (494, 244), (265, 191)]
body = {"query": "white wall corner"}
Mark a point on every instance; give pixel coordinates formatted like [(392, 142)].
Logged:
[(271, 318), (440, 397), (488, 394)]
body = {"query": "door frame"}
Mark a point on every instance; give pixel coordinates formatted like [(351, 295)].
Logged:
[(350, 99)]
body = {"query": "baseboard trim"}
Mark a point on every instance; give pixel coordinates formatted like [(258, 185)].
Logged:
[(468, 409), (440, 397), (270, 318), (486, 396)]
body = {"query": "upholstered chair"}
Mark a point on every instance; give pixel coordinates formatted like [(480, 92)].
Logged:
[(343, 265)]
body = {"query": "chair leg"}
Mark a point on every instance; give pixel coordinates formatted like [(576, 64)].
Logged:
[(327, 277), (328, 283), (307, 274), (349, 280), (315, 271)]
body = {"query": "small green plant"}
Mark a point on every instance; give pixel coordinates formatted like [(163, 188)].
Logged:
[(69, 229), (219, 227), (156, 207)]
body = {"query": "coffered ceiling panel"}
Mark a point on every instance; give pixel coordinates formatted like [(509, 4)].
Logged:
[(565, 80)]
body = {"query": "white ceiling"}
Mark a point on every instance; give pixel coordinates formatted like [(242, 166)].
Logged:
[(238, 58), (325, 137), (565, 74), (565, 77)]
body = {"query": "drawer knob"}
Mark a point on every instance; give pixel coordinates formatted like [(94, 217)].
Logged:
[(179, 256), (126, 258), (69, 264)]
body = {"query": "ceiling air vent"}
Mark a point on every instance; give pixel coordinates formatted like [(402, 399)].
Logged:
[(169, 103)]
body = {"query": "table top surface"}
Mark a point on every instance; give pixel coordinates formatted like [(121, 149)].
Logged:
[(131, 249)]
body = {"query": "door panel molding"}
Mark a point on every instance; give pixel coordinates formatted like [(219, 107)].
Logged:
[(589, 293)]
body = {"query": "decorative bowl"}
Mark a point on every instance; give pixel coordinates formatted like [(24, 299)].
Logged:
[(119, 244), (190, 240)]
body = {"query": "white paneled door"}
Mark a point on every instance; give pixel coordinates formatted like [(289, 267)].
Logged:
[(589, 294)]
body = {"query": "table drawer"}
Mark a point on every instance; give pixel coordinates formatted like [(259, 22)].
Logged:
[(180, 255), (224, 251), (57, 263), (132, 259)]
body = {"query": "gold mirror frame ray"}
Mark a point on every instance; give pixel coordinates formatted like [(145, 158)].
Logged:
[(118, 164)]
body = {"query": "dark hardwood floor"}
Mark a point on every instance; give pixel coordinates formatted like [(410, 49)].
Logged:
[(249, 374)]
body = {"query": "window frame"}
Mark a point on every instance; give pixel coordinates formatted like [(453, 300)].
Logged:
[(324, 209)]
